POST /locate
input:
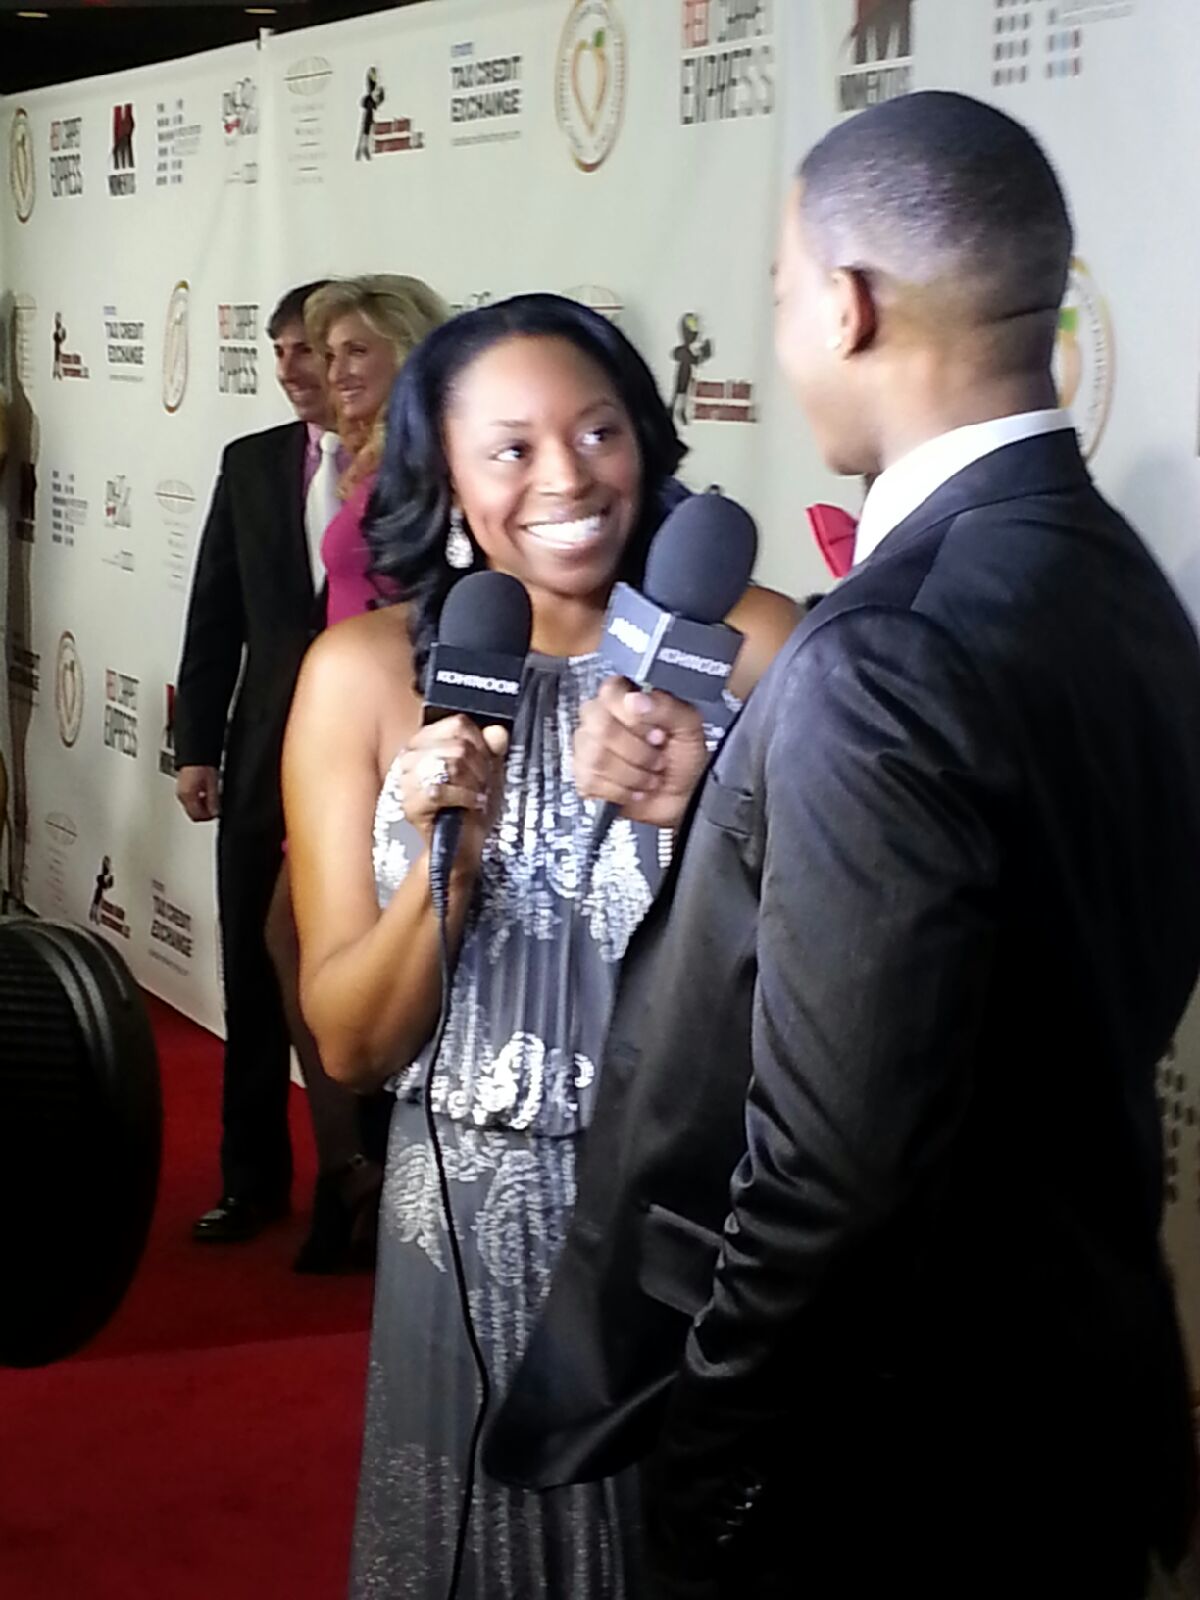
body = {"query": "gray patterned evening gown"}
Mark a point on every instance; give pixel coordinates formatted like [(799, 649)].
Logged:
[(513, 1089)]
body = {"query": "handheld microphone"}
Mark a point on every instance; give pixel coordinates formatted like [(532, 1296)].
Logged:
[(475, 670), (671, 635)]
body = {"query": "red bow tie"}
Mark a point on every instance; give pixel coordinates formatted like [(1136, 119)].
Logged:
[(835, 531)]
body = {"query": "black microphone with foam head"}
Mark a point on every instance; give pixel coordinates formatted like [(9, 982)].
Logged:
[(475, 670), (671, 636)]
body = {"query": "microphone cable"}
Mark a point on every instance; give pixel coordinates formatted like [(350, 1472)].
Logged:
[(441, 853)]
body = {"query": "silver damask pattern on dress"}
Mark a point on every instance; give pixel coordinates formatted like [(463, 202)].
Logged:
[(514, 1086)]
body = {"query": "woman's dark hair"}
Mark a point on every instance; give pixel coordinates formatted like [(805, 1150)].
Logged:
[(409, 510)]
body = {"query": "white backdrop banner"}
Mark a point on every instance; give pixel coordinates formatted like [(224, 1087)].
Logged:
[(632, 153)]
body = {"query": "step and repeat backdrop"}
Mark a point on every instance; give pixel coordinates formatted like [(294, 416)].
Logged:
[(631, 153)]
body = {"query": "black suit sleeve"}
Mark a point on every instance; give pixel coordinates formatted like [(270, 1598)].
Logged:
[(213, 637), (884, 792)]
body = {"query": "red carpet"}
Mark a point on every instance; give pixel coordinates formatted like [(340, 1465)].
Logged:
[(205, 1445)]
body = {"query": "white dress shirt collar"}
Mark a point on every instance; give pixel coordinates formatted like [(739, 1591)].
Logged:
[(909, 482)]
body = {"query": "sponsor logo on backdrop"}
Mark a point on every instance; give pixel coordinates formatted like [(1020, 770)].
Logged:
[(239, 124), (1095, 10), (727, 65), (171, 937), (124, 347), (68, 510), (372, 98), (486, 100), (1085, 357), (177, 503), (877, 54), (24, 672), (117, 497), (308, 81), (237, 349), (120, 712), (60, 829), (22, 168), (599, 299), (178, 143), (122, 178), (590, 81), (24, 316), (175, 349), (166, 750), (61, 836), (68, 689), (696, 396), (67, 363), (118, 518), (66, 157), (382, 136), (1032, 40), (105, 912)]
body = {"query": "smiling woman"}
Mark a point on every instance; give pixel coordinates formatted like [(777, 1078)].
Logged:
[(532, 430)]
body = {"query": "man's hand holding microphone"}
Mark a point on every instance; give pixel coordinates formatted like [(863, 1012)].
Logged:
[(640, 747)]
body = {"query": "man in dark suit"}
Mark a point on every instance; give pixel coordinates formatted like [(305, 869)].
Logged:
[(929, 929), (253, 599)]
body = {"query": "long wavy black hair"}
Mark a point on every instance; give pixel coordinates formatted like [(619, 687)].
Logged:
[(409, 511)]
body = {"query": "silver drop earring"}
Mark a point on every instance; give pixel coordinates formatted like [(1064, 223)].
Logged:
[(459, 553)]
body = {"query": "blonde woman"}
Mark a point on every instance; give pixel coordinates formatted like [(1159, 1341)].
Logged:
[(366, 328)]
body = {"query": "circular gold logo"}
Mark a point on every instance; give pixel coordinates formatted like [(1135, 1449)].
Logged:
[(22, 171), (1085, 357), (68, 690), (589, 93), (175, 349)]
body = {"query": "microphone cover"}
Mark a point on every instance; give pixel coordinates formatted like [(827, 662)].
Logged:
[(701, 559), (487, 611)]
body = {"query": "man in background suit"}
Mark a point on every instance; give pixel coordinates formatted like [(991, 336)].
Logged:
[(253, 597), (939, 895)]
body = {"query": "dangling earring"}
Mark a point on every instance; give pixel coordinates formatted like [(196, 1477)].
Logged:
[(459, 553)]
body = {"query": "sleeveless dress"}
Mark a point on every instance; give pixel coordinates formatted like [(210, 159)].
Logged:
[(513, 1089), (344, 554)]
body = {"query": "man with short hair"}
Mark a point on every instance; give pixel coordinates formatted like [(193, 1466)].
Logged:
[(938, 893), (254, 598)]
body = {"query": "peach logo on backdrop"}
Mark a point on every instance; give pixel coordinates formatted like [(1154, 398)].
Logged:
[(175, 349), (591, 81), (21, 168), (1085, 357)]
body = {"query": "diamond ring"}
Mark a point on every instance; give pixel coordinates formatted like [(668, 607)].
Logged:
[(433, 773)]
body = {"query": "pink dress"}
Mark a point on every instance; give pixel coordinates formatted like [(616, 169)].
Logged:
[(344, 552)]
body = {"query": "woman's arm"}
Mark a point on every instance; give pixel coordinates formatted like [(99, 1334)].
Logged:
[(766, 618), (370, 984)]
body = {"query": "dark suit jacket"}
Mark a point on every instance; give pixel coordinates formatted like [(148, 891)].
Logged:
[(933, 923), (252, 591)]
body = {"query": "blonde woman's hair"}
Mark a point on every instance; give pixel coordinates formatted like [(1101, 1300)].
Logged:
[(397, 308)]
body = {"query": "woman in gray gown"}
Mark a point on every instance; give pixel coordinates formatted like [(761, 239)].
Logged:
[(528, 437)]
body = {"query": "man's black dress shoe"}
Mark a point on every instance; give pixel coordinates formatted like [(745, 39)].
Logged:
[(233, 1220)]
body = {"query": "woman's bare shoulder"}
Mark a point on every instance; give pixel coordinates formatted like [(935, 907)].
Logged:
[(766, 618)]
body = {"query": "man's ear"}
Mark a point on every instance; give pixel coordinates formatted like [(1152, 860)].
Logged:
[(854, 318)]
